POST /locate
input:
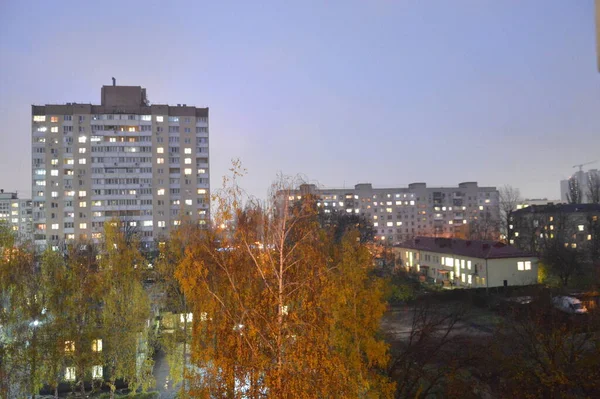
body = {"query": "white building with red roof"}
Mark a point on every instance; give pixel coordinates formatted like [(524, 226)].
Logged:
[(467, 263)]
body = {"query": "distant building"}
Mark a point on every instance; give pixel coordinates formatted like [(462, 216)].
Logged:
[(144, 164), (16, 213), (537, 201), (398, 214), (582, 180), (468, 264), (578, 225)]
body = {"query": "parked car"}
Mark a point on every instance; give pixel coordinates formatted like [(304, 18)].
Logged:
[(569, 304)]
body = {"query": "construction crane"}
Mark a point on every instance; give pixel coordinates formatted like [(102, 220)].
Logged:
[(580, 166)]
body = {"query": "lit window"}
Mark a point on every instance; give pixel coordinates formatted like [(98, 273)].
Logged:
[(589, 237), (82, 204), (398, 223), (95, 139), (521, 265), (83, 225), (39, 118), (161, 191), (161, 223), (54, 194), (97, 345), (69, 161), (159, 118), (390, 224), (573, 245), (146, 117), (97, 372), (54, 172), (449, 262), (201, 171), (528, 265), (70, 374), (54, 119), (82, 193), (160, 150), (487, 201), (82, 150), (176, 222), (201, 191), (375, 224), (450, 222), (388, 210), (82, 139), (131, 129), (69, 346), (55, 226), (187, 151), (580, 227), (480, 207), (54, 129), (188, 202), (82, 161), (462, 263), (469, 264), (412, 202), (470, 279), (160, 160), (187, 171), (188, 161), (147, 223)]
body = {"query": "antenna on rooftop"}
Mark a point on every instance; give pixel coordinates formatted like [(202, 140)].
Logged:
[(114, 81)]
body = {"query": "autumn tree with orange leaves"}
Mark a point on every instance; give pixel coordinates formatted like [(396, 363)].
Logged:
[(281, 309)]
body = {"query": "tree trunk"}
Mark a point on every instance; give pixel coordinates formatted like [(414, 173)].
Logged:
[(56, 391), (183, 366)]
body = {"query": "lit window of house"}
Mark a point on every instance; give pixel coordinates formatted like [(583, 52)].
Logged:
[(97, 372), (69, 346), (580, 227), (97, 345), (70, 374)]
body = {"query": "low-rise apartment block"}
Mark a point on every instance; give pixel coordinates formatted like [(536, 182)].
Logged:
[(467, 264), (16, 213), (575, 225), (398, 214)]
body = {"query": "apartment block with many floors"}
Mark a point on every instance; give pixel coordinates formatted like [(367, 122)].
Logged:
[(16, 213), (398, 214), (147, 165)]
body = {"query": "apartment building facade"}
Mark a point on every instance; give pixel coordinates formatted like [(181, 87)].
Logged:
[(585, 181), (147, 165), (398, 214), (17, 214), (575, 225)]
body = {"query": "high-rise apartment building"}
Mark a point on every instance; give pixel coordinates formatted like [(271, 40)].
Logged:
[(147, 165), (398, 214), (584, 181), (16, 213)]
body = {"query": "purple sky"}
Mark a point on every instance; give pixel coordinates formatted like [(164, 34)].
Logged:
[(387, 92)]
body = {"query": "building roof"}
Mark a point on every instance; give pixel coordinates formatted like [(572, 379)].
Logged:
[(558, 208), (470, 248)]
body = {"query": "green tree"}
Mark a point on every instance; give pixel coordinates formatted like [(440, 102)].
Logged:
[(21, 305), (176, 326), (126, 311)]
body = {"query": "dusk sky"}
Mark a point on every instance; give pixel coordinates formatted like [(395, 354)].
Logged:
[(342, 92)]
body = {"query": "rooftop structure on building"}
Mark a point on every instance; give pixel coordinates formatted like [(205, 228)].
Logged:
[(145, 164), (17, 214), (398, 214)]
